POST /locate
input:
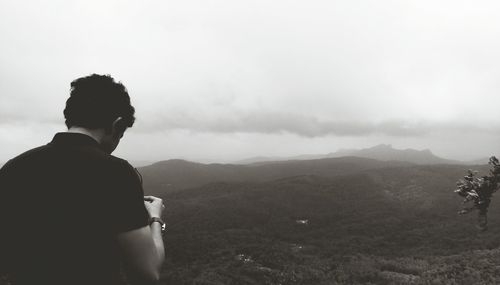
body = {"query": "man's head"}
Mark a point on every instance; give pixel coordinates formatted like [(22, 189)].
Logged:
[(97, 102)]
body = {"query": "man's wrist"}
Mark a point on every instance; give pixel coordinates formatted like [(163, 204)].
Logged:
[(158, 220)]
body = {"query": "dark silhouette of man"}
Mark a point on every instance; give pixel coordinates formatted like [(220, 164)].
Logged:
[(70, 212)]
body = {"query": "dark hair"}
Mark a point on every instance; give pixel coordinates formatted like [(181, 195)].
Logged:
[(96, 101)]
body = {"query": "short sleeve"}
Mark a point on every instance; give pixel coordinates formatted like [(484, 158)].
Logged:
[(3, 223), (128, 210)]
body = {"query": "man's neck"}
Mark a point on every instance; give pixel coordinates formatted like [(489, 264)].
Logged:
[(96, 134)]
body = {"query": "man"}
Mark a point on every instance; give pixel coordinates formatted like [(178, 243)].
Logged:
[(70, 212)]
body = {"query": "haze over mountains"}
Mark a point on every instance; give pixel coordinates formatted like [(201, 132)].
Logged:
[(175, 174), (384, 152)]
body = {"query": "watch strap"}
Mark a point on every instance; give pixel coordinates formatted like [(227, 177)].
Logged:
[(158, 220)]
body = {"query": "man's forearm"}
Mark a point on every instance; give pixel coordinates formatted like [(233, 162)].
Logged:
[(158, 241)]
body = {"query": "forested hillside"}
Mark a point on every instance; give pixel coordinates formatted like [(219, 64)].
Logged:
[(378, 225)]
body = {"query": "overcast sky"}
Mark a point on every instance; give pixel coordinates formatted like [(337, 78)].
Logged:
[(226, 80)]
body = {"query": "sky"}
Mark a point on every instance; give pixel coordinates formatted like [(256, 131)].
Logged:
[(220, 81)]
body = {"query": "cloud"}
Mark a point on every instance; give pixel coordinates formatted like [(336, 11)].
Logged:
[(12, 114), (302, 125)]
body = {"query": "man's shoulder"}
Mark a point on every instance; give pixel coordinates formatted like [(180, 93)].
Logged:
[(122, 166), (44, 152), (25, 156), (119, 162)]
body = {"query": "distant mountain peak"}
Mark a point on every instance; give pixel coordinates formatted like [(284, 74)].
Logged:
[(175, 161), (383, 146), (386, 152), (383, 152)]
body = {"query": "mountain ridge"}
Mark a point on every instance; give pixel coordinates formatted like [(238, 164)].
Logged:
[(176, 174), (383, 152)]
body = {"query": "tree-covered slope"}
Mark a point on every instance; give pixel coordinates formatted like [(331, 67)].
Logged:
[(376, 226)]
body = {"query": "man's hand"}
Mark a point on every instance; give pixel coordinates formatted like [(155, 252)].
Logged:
[(154, 206)]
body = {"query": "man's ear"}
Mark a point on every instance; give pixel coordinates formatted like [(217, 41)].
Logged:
[(118, 127)]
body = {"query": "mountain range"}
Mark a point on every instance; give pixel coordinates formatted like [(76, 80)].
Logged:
[(384, 152), (175, 174), (172, 175)]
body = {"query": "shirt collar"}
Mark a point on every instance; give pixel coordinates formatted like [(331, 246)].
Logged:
[(74, 139)]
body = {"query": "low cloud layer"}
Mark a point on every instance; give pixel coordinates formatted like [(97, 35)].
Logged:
[(304, 125)]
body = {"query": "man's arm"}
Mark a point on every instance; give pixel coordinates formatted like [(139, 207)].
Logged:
[(142, 249)]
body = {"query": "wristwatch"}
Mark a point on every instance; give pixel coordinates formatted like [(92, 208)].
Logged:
[(158, 220)]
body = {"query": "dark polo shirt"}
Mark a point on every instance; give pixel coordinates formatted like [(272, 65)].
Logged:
[(61, 207)]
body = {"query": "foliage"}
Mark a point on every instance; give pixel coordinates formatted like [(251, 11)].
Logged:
[(479, 190)]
